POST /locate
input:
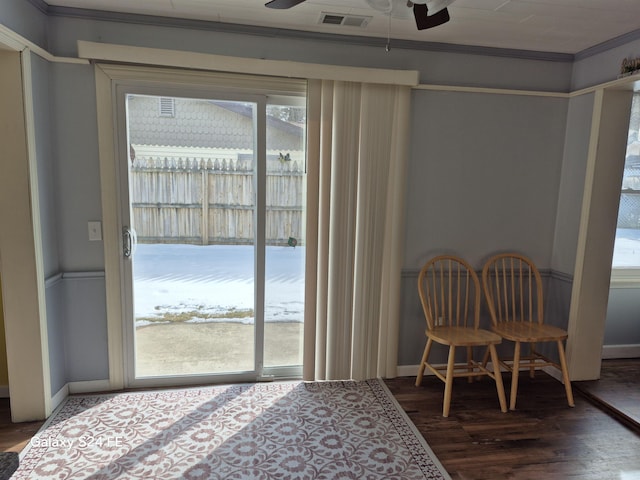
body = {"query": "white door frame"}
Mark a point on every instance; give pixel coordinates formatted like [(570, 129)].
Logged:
[(108, 78), (259, 147)]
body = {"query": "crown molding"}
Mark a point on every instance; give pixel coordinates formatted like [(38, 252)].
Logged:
[(608, 45), (40, 5), (103, 15), (152, 20)]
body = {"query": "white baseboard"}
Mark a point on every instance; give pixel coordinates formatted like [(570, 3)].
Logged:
[(409, 371), (89, 386), (412, 370), (74, 387), (620, 351), (4, 391), (553, 372), (59, 397)]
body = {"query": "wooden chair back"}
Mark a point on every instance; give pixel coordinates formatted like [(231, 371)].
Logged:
[(513, 289), (450, 293)]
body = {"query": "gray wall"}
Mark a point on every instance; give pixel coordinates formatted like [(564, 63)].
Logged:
[(56, 331), (483, 175), (435, 67), (77, 199), (486, 172), (85, 327), (47, 190), (572, 179), (604, 66), (623, 317), (46, 168), (23, 17), (462, 162), (623, 320), (77, 173), (69, 190)]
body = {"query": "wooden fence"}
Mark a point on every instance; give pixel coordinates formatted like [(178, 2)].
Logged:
[(211, 201), (629, 210)]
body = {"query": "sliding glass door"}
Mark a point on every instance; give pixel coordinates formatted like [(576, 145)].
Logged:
[(285, 191), (212, 211)]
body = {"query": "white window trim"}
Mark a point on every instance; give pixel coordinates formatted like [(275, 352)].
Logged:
[(624, 277)]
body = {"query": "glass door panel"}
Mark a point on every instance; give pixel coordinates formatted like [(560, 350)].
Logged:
[(285, 243), (192, 207)]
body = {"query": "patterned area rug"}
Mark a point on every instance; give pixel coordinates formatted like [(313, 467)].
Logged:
[(289, 430)]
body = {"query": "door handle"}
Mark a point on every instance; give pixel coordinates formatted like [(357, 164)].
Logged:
[(128, 241)]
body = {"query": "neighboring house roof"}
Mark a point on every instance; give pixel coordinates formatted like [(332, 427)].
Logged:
[(205, 123)]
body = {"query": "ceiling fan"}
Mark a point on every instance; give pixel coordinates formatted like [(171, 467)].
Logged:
[(428, 13)]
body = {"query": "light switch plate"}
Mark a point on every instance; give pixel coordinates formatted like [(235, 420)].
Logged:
[(95, 231)]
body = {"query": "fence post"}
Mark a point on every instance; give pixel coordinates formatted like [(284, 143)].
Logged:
[(205, 203)]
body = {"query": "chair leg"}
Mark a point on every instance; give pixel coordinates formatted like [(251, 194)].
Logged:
[(498, 378), (423, 363), (448, 384), (565, 374), (470, 363), (514, 376), (485, 359), (532, 369)]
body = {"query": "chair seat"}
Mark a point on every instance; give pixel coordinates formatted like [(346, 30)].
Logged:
[(519, 331), (513, 288), (449, 291), (463, 337)]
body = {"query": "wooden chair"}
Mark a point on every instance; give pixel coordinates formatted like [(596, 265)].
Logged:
[(513, 289), (450, 293)]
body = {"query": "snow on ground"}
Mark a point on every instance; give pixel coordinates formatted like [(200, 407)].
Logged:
[(627, 248), (216, 279)]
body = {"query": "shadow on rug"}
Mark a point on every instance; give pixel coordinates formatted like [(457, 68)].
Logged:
[(295, 430)]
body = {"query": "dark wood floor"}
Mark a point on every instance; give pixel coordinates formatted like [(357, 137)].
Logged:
[(617, 390), (14, 436), (542, 439)]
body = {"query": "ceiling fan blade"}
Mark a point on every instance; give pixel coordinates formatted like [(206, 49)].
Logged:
[(424, 20), (282, 4)]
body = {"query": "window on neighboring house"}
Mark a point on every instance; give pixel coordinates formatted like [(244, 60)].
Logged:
[(626, 255), (167, 107)]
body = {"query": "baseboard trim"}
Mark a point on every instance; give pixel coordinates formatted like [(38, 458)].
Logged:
[(553, 372), (620, 351), (412, 370), (409, 371), (59, 397), (89, 386), (4, 391)]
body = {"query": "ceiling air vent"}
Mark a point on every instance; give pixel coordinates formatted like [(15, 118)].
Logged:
[(344, 20)]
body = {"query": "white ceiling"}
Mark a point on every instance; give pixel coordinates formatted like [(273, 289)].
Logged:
[(561, 26)]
